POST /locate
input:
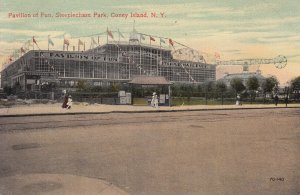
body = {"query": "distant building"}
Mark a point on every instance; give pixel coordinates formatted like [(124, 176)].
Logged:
[(244, 76)]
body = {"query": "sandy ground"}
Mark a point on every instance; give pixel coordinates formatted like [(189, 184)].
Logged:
[(84, 107), (211, 152)]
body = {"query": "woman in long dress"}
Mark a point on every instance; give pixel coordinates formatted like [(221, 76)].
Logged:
[(69, 104), (64, 105), (153, 99)]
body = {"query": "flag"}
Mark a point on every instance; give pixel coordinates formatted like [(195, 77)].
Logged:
[(152, 39), (142, 37), (22, 50), (33, 40), (162, 41), (120, 34), (50, 42), (171, 42), (217, 55), (109, 33), (80, 42), (66, 42)]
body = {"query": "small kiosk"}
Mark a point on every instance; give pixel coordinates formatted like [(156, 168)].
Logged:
[(157, 81)]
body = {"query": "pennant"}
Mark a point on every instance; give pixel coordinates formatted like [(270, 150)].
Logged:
[(33, 40), (80, 42), (152, 39), (142, 37), (162, 41), (109, 33), (120, 34), (171, 42), (50, 42)]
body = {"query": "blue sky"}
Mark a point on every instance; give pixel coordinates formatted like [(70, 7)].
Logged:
[(234, 28)]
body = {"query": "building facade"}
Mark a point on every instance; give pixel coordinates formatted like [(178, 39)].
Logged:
[(111, 63), (244, 76)]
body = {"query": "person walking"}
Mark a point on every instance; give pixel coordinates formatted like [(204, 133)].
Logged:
[(64, 105), (70, 102), (238, 97), (155, 101), (286, 100), (276, 99)]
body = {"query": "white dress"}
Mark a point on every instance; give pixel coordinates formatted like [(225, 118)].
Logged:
[(69, 104)]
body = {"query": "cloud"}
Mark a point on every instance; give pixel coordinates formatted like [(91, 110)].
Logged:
[(29, 33)]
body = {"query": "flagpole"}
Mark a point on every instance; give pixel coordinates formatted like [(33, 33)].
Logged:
[(106, 35), (140, 38), (48, 41)]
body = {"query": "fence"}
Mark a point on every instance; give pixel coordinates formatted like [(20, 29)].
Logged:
[(197, 98)]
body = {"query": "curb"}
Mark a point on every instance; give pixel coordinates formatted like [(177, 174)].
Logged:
[(141, 111)]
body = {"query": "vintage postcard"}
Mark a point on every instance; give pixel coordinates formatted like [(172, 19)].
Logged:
[(149, 97)]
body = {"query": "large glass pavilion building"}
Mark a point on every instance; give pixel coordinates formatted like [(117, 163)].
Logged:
[(114, 62)]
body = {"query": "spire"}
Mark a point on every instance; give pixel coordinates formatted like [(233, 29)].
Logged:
[(134, 36)]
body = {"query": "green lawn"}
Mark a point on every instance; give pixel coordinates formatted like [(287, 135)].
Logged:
[(201, 101)]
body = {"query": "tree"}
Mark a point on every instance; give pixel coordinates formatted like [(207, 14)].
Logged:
[(295, 86), (209, 88), (115, 87), (237, 85), (82, 85), (269, 84), (221, 87), (252, 85)]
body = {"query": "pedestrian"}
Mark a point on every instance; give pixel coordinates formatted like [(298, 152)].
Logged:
[(155, 101), (69, 103), (286, 100), (64, 105), (238, 100), (276, 99)]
